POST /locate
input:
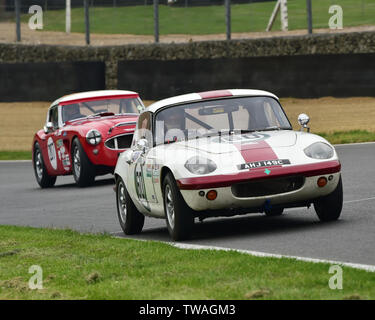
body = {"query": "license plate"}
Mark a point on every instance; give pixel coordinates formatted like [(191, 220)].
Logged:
[(261, 164)]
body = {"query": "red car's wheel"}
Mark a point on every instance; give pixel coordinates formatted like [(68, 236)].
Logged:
[(42, 177), (83, 169)]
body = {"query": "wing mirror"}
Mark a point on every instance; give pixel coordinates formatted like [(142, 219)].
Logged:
[(303, 120), (142, 145), (48, 127), (128, 157)]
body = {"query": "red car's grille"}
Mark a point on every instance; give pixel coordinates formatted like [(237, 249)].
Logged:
[(267, 187), (119, 142)]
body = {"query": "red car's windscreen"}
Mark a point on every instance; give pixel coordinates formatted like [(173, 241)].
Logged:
[(116, 106)]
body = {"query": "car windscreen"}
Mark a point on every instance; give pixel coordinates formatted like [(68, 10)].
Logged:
[(110, 106), (220, 116)]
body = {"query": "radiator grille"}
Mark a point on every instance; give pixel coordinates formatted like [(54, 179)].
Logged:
[(119, 142), (267, 187)]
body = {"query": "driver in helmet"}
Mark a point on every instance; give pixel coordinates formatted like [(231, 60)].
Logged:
[(72, 112)]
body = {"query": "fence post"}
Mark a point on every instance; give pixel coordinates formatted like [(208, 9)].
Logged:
[(309, 16), (284, 15), (87, 21), (156, 20), (68, 14), (17, 8), (228, 18)]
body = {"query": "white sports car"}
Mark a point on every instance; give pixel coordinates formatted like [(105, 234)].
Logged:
[(222, 153)]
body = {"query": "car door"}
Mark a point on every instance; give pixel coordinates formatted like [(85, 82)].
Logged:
[(142, 164), (54, 143)]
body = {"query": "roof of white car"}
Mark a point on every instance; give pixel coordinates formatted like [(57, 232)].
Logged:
[(190, 97), (92, 94)]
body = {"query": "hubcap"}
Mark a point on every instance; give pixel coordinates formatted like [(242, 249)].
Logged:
[(77, 163), (121, 201), (169, 206), (38, 165)]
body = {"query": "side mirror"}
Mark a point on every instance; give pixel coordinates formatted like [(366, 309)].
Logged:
[(303, 120), (48, 127), (142, 145), (128, 156)]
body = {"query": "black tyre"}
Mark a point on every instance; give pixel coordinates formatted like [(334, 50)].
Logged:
[(44, 180), (329, 208), (178, 215), (274, 212), (83, 169), (131, 220)]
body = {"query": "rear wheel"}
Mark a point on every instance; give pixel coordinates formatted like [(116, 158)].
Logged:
[(274, 212), (179, 217), (83, 169), (42, 177), (329, 208), (131, 220)]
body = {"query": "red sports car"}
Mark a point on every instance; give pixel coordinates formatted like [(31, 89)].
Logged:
[(84, 134)]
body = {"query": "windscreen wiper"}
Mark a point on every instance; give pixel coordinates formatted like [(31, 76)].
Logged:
[(273, 128), (101, 114)]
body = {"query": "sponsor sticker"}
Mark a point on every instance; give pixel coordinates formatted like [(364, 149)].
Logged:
[(149, 170), (59, 143), (155, 173), (52, 153), (261, 164)]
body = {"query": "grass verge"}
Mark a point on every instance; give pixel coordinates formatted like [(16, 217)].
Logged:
[(205, 20), (87, 266), (15, 155), (352, 136)]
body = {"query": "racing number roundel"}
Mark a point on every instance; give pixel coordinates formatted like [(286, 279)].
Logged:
[(52, 153), (247, 138)]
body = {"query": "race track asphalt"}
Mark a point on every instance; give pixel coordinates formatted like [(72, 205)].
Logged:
[(298, 232)]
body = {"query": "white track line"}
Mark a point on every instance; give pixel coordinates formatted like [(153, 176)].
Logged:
[(14, 161), (360, 200), (365, 267), (353, 144), (188, 246)]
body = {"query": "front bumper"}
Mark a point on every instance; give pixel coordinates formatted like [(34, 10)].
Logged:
[(191, 189)]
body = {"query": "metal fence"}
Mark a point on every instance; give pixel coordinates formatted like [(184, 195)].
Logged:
[(119, 21)]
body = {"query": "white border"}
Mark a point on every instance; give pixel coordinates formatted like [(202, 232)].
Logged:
[(366, 267)]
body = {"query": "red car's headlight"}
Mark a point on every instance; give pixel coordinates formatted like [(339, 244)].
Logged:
[(93, 137)]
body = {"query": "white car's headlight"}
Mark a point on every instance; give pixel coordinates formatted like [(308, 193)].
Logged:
[(200, 165), (93, 137), (319, 150)]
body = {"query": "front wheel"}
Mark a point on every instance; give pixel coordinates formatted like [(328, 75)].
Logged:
[(42, 177), (329, 208), (131, 220), (83, 169), (179, 217)]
